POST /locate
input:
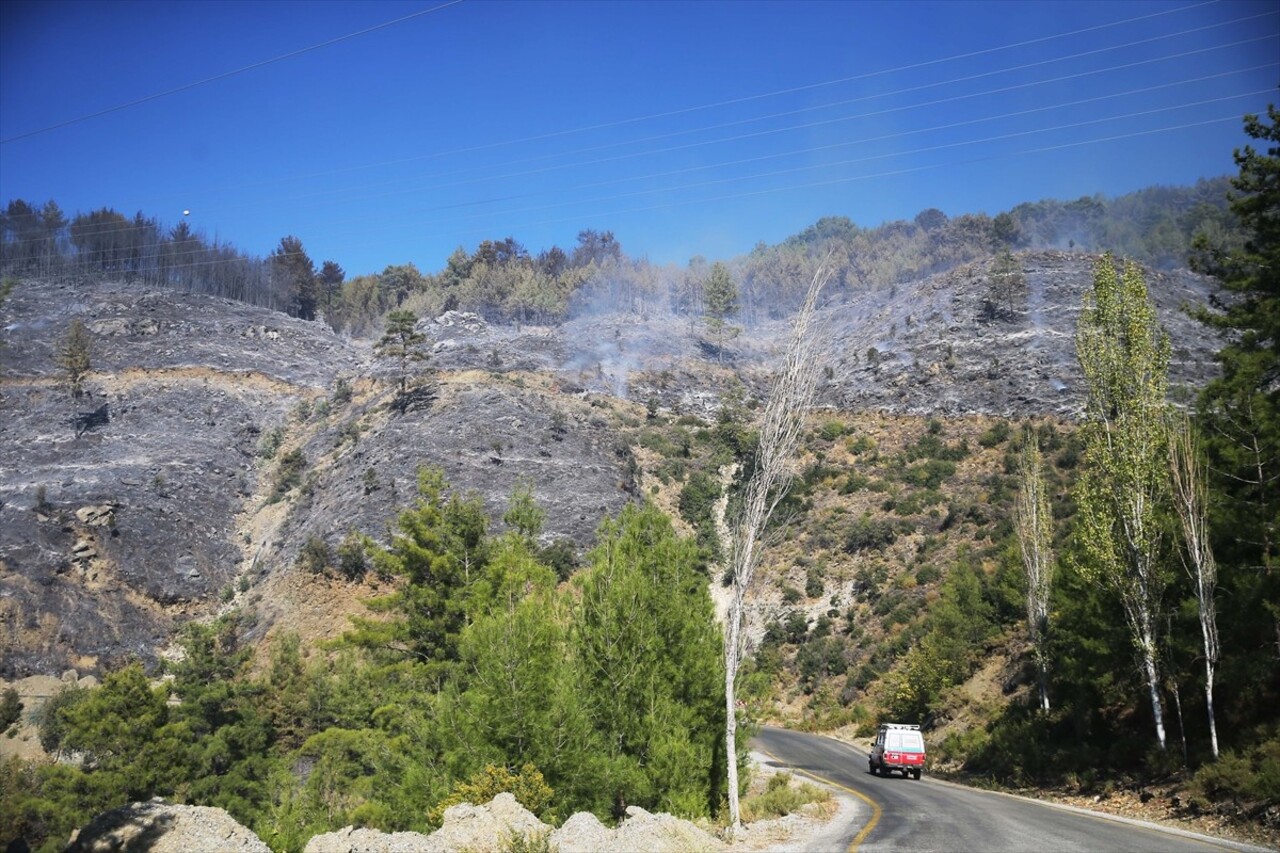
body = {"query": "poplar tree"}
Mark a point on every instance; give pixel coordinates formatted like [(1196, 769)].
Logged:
[(1034, 525), (1123, 486), (1190, 500), (784, 415)]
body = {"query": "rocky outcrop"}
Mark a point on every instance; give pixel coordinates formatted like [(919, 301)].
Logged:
[(160, 827), (481, 829)]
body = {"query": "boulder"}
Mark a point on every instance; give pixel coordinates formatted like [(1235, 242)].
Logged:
[(160, 827)]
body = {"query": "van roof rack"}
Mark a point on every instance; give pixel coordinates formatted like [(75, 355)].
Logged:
[(899, 726)]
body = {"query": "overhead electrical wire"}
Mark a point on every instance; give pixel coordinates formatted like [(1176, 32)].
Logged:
[(848, 162), (936, 84), (402, 188), (775, 173), (760, 96), (1231, 117)]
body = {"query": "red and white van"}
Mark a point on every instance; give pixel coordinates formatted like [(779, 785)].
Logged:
[(898, 747)]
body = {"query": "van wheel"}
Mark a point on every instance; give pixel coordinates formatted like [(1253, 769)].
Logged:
[(915, 774)]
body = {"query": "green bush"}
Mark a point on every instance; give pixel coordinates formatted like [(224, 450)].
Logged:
[(288, 474), (930, 474), (997, 434), (351, 557), (10, 709), (341, 392), (831, 430), (315, 555), (271, 443), (1253, 776), (868, 534), (781, 798), (527, 786)]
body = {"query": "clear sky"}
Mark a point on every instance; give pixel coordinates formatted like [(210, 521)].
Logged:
[(684, 127)]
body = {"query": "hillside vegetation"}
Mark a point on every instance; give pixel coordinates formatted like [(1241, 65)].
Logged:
[(485, 551)]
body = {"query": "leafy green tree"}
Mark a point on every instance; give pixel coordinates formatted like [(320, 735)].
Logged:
[(1123, 486), (1240, 410), (651, 667), (438, 546), (74, 352), (329, 285), (520, 696), (720, 302), (293, 274), (10, 709), (523, 514), (400, 341)]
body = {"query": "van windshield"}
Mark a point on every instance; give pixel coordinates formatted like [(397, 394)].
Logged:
[(905, 741)]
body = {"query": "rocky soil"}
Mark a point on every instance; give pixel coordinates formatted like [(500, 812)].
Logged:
[(160, 827), (171, 504)]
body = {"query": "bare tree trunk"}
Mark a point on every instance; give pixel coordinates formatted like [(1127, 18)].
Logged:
[(784, 415), (1147, 642), (1034, 525), (1182, 727), (1187, 467)]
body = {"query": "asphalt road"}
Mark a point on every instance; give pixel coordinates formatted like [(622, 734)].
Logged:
[(906, 816)]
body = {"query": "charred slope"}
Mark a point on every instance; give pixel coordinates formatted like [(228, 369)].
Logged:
[(115, 530), (957, 343)]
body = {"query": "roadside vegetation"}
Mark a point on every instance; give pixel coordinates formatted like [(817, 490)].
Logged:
[(480, 673)]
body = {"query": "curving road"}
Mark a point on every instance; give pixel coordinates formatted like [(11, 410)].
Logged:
[(905, 816)]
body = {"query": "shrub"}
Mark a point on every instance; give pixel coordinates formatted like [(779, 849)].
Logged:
[(997, 434), (10, 709), (1252, 776), (831, 430), (51, 717), (271, 443), (813, 582), (351, 558), (341, 392), (560, 556), (528, 787), (930, 474), (869, 534), (314, 555), (928, 573), (288, 474), (781, 798)]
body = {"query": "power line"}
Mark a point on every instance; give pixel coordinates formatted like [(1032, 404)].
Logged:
[(224, 75), (756, 97), (950, 164), (402, 189), (852, 161)]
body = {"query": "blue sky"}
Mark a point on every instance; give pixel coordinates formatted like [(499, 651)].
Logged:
[(685, 128)]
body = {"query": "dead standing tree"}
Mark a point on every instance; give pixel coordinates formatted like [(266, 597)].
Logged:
[(784, 415), (1190, 499)]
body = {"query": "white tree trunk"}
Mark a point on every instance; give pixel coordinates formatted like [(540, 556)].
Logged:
[(1148, 643), (784, 414)]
